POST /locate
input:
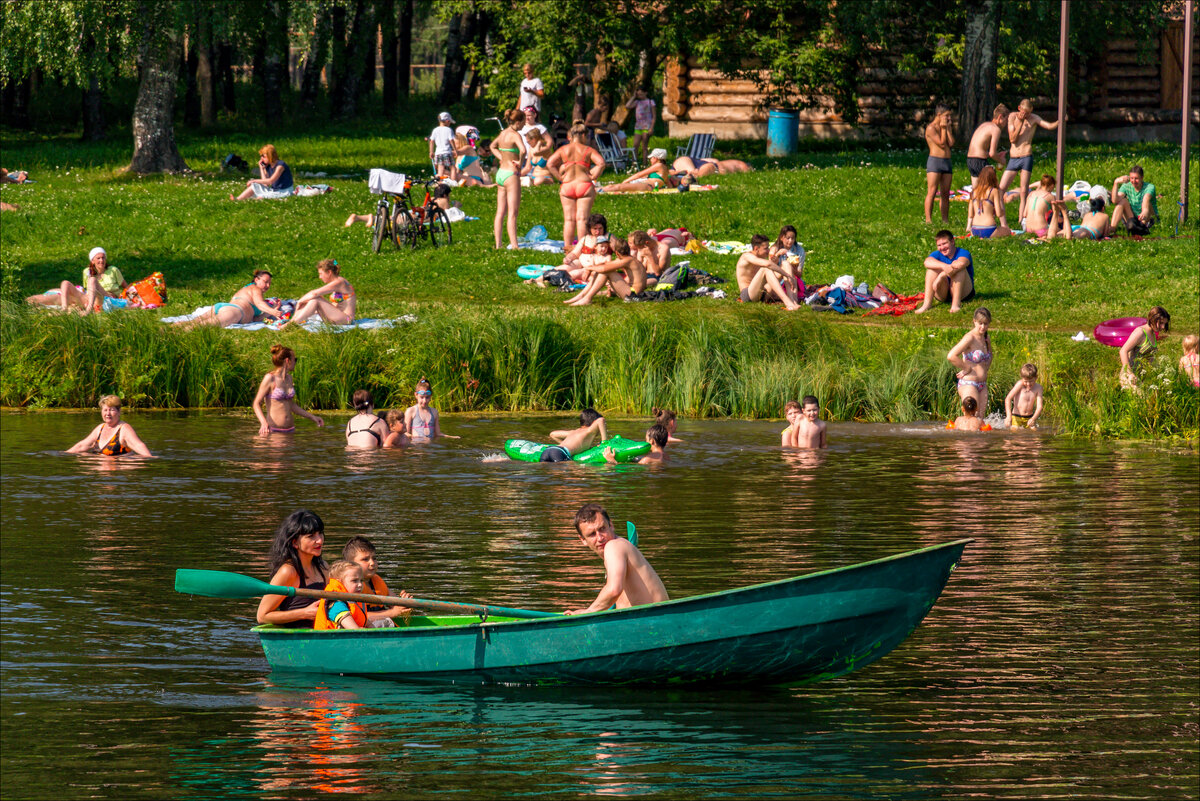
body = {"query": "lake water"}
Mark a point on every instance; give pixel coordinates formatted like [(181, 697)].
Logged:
[(1063, 658)]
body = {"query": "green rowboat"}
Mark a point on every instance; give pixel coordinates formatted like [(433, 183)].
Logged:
[(802, 629)]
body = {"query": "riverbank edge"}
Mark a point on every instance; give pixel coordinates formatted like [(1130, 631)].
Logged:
[(700, 362)]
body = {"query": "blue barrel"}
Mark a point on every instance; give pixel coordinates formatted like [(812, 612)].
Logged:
[(783, 128)]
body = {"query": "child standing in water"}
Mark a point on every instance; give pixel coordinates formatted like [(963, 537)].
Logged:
[(810, 430), (1189, 362), (421, 420), (397, 436), (967, 421), (1023, 405)]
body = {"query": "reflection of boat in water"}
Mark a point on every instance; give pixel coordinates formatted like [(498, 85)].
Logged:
[(802, 629)]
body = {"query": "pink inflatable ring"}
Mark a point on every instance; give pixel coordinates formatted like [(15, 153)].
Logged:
[(1114, 332)]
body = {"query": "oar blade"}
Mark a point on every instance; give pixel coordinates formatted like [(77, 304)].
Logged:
[(221, 584), (631, 532)]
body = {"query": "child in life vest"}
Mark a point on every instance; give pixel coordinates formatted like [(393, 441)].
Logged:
[(343, 577), (361, 551), (967, 421)]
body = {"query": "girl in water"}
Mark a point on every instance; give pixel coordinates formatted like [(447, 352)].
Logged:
[(421, 420), (277, 391), (397, 434), (973, 358), (295, 562), (1138, 351), (99, 282), (666, 419), (576, 166), (509, 148), (366, 430), (338, 308), (985, 212), (541, 147), (112, 437)]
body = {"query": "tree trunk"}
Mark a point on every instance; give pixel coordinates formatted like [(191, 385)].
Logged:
[(272, 60), (191, 95), (366, 50), (315, 58), (482, 25), (337, 62), (93, 112), (452, 72), (154, 147), (387, 23), (204, 68), (225, 76), (404, 46), (980, 55)]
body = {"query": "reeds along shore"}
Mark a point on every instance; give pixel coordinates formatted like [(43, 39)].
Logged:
[(698, 365)]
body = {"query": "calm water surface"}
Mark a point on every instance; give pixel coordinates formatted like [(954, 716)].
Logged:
[(1062, 660)]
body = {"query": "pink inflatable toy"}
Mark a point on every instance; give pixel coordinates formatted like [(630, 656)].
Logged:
[(1114, 332)]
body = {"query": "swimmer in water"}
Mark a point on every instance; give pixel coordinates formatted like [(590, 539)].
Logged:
[(113, 437)]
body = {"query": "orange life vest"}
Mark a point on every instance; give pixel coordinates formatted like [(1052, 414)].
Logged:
[(323, 621)]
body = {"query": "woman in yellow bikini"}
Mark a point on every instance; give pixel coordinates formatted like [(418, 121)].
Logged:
[(278, 394), (334, 300), (576, 166), (509, 148), (113, 437)]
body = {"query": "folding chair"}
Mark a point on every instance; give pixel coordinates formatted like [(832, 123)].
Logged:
[(619, 158), (700, 146)]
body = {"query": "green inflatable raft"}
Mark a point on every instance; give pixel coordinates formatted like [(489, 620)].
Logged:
[(628, 450)]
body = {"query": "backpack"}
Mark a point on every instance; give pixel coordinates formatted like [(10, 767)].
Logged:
[(674, 278)]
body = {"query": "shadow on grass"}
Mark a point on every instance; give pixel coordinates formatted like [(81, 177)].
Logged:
[(177, 271)]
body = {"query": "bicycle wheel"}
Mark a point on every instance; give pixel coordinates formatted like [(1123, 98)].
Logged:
[(404, 228), (439, 227), (381, 229)]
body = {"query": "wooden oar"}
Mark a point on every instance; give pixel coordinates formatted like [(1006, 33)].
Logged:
[(220, 584)]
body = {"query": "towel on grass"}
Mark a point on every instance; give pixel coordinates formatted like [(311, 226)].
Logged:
[(312, 324), (545, 245)]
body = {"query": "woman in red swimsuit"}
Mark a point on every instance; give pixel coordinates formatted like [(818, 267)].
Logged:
[(576, 166), (112, 437)]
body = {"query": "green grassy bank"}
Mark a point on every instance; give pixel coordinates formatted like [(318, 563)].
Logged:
[(489, 341)]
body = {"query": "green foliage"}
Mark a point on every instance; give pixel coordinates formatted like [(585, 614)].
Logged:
[(74, 40)]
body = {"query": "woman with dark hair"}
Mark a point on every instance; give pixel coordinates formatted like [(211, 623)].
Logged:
[(1094, 224), (509, 149), (248, 305), (278, 394), (366, 430), (1138, 351), (295, 561)]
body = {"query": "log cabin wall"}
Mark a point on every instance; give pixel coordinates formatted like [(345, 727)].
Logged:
[(1135, 95)]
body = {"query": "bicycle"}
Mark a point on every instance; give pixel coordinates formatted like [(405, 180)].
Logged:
[(427, 221), (384, 228), (392, 220)]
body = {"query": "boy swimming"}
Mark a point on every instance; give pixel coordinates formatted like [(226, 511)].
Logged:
[(1023, 404), (591, 424), (629, 578), (658, 436)]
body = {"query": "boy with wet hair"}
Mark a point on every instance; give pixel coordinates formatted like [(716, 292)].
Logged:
[(658, 436), (591, 425), (361, 551), (1023, 404), (810, 429), (629, 578)]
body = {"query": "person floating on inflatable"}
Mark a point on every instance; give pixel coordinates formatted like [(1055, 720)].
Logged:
[(591, 424), (657, 437), (967, 421)]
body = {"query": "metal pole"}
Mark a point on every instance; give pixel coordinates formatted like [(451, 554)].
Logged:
[(1187, 111), (1063, 27)]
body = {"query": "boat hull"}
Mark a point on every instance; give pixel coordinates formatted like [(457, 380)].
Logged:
[(798, 630)]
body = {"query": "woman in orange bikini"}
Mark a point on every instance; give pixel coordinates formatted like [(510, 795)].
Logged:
[(279, 395), (576, 166), (509, 148), (112, 437), (341, 304)]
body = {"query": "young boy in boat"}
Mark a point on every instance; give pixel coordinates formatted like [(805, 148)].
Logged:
[(591, 424), (361, 551), (343, 577), (1023, 405), (658, 436), (629, 579)]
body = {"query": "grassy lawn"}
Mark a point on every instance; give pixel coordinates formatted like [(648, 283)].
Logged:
[(858, 210)]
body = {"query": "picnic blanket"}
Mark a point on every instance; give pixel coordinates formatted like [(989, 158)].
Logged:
[(312, 324), (903, 304)]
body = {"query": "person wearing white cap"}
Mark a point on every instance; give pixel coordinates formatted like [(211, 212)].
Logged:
[(655, 176), (441, 145), (99, 281)]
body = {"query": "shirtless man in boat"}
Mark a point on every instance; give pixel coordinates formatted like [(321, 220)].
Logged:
[(629, 579), (985, 144), (1022, 125)]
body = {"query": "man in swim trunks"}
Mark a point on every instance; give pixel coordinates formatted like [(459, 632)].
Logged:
[(759, 278), (985, 143), (572, 442), (629, 580), (1022, 124), (939, 171), (949, 273)]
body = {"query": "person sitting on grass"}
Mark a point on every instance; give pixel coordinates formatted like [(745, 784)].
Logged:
[(1133, 198), (1139, 350), (343, 577), (541, 148), (397, 433), (1095, 224), (658, 437), (275, 181), (1023, 404), (654, 254), (248, 305), (790, 255), (467, 163), (1038, 210), (361, 551), (949, 274), (629, 579), (335, 300), (624, 274), (112, 437), (967, 421), (100, 281), (759, 278), (985, 211), (569, 443)]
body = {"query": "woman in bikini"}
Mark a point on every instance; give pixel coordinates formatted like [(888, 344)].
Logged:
[(279, 395), (421, 420), (973, 358), (296, 562), (656, 176), (1138, 351), (248, 305), (112, 437), (985, 212), (335, 300), (1037, 207), (706, 167), (1094, 225), (541, 148), (366, 430), (674, 237), (467, 165), (576, 166), (509, 148)]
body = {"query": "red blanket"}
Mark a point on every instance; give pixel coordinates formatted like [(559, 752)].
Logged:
[(902, 305)]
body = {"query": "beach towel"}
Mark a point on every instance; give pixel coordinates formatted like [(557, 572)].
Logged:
[(308, 190), (312, 324)]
